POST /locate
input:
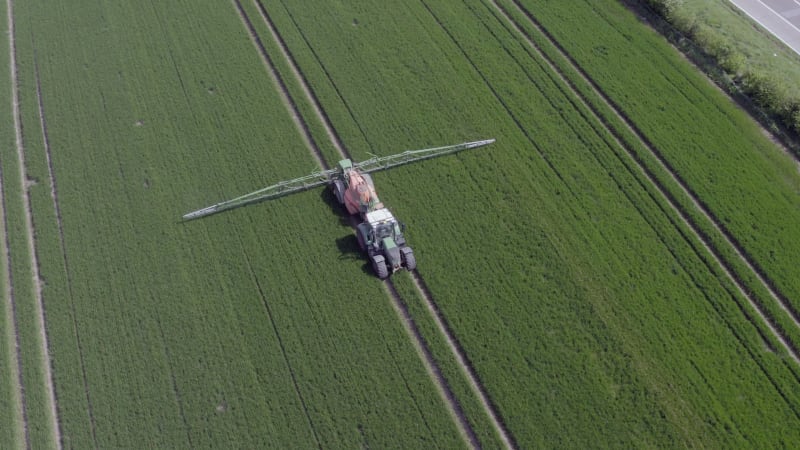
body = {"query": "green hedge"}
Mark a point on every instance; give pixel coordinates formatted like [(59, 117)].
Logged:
[(769, 90)]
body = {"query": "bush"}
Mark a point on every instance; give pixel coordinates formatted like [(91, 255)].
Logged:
[(796, 118), (767, 90), (667, 8)]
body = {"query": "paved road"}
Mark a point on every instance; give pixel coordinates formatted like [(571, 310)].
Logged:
[(780, 17)]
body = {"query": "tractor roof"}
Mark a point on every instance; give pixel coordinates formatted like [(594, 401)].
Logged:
[(379, 216)]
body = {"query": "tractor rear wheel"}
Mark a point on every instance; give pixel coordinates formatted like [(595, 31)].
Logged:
[(361, 233), (409, 260), (380, 268), (338, 190), (361, 242)]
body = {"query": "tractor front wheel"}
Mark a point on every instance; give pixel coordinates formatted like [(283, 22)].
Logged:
[(408, 258), (379, 265)]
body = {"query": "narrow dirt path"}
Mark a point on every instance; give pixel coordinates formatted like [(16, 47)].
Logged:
[(12, 330), (281, 88), (12, 335), (650, 177), (321, 116), (463, 363), (432, 367), (34, 262)]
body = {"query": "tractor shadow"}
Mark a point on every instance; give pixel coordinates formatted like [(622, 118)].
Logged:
[(337, 208), (347, 244)]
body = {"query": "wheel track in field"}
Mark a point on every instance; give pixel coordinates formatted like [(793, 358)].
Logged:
[(30, 235), (57, 210), (578, 97), (432, 367), (430, 364), (14, 350), (290, 60), (280, 87), (791, 351), (308, 141), (312, 98), (463, 362), (12, 334)]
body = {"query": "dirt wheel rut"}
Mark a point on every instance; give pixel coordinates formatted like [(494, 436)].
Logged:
[(30, 237), (15, 358), (424, 352), (281, 88), (463, 362), (12, 334)]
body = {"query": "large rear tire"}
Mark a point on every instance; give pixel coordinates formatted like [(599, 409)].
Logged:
[(338, 190), (379, 265), (361, 233), (408, 259), (361, 242)]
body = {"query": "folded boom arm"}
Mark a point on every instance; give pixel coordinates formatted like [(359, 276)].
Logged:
[(268, 193), (378, 163)]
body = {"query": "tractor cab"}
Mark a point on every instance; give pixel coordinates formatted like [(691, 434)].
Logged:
[(385, 230)]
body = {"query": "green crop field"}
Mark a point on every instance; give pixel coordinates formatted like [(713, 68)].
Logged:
[(620, 269)]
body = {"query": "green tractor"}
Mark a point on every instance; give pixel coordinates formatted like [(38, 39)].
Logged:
[(380, 235)]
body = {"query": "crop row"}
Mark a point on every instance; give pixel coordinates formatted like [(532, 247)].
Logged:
[(246, 329), (572, 291)]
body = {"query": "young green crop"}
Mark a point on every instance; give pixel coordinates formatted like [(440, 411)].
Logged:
[(648, 160), (12, 426), (549, 258), (590, 314), (247, 329), (751, 189)]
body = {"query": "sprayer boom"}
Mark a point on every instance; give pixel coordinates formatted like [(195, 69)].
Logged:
[(323, 177)]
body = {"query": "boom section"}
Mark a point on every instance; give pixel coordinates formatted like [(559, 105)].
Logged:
[(378, 163), (268, 193)]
